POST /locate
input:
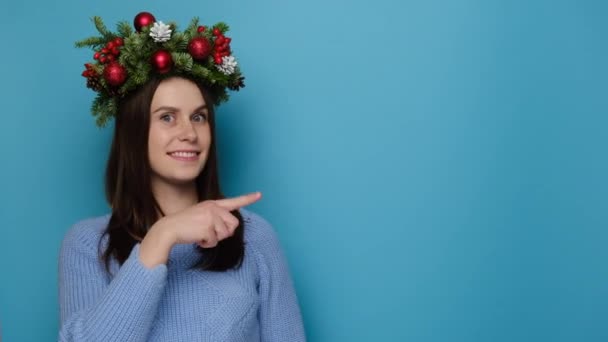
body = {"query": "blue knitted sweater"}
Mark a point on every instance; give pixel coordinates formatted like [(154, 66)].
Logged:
[(172, 302)]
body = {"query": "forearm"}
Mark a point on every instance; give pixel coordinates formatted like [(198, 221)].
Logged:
[(123, 312), (156, 246)]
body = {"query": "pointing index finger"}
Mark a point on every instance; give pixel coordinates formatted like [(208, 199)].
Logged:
[(240, 201)]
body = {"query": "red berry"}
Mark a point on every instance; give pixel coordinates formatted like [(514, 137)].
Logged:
[(201, 29), (104, 51), (103, 59), (110, 45), (219, 40), (217, 59), (110, 58), (118, 41), (96, 55), (228, 40), (115, 51), (225, 53), (216, 32)]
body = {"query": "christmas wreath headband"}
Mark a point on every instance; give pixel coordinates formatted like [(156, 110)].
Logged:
[(127, 59)]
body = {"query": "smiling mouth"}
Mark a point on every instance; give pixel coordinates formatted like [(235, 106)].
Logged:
[(185, 156)]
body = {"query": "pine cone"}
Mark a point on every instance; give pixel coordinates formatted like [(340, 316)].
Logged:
[(93, 83), (113, 91), (160, 32)]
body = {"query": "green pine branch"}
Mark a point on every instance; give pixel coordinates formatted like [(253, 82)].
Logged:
[(93, 42), (200, 71), (102, 109), (101, 27), (98, 68), (173, 26), (124, 29), (219, 95), (178, 42), (192, 28), (182, 60), (223, 27)]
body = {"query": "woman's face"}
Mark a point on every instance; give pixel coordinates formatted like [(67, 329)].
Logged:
[(179, 138)]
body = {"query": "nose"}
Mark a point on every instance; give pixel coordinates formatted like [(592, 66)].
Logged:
[(187, 131)]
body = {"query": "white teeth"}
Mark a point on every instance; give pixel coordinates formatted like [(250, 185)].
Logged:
[(184, 154)]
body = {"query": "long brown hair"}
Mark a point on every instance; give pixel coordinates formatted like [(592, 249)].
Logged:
[(129, 191)]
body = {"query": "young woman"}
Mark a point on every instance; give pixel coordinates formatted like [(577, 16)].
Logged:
[(174, 260)]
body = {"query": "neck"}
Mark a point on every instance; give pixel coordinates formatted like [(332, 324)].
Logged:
[(173, 198)]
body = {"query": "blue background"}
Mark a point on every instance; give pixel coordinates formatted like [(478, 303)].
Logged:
[(436, 170)]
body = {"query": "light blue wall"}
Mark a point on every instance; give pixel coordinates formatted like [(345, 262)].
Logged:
[(436, 170)]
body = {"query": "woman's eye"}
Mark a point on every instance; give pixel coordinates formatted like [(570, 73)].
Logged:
[(199, 117), (166, 117)]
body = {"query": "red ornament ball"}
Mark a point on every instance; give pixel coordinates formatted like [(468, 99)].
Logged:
[(115, 74), (162, 61), (142, 20), (199, 48)]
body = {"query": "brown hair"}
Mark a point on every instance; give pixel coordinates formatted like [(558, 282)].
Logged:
[(128, 185)]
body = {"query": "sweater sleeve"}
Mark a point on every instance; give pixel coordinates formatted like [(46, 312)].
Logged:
[(96, 308), (279, 313)]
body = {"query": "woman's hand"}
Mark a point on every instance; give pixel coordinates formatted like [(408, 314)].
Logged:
[(206, 223)]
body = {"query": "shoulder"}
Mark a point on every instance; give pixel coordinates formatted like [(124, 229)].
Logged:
[(85, 234), (259, 234), (262, 244), (257, 228)]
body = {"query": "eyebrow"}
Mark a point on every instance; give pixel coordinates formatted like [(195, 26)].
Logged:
[(174, 109)]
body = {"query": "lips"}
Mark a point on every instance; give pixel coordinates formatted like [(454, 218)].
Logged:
[(184, 155)]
